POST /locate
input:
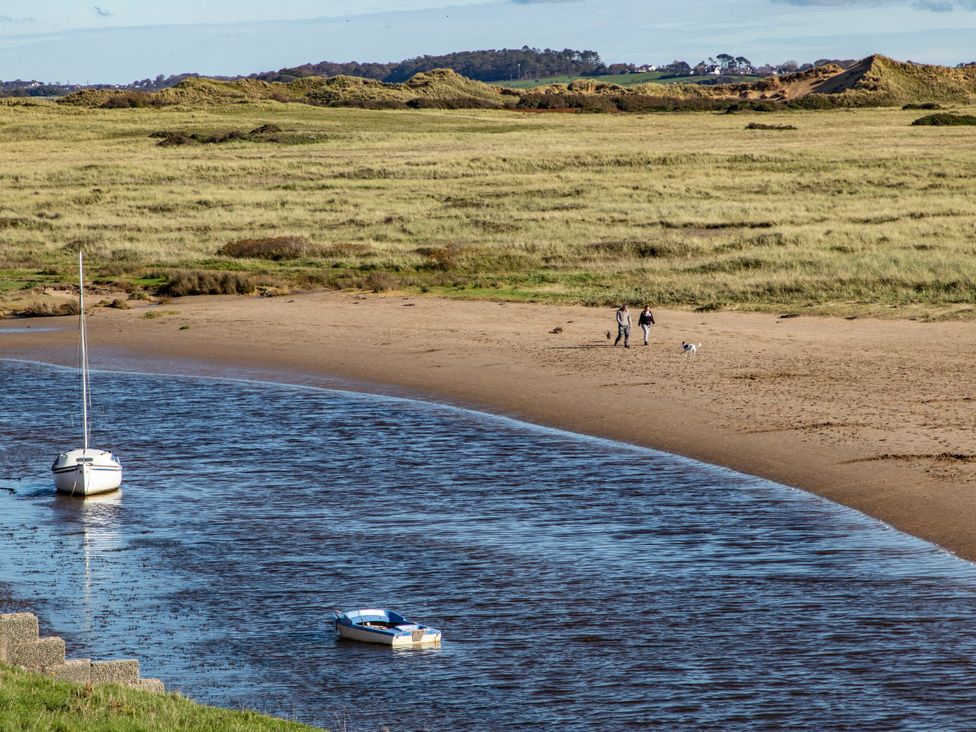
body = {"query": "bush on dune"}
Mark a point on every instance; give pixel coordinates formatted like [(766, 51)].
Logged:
[(273, 248), (197, 282), (761, 126), (455, 103), (47, 309), (131, 99), (945, 120)]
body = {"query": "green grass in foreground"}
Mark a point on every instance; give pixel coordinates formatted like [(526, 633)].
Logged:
[(32, 703), (856, 212)]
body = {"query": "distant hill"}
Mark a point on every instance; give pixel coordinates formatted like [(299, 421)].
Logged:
[(873, 81)]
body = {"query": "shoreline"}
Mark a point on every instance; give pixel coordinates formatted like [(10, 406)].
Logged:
[(875, 415)]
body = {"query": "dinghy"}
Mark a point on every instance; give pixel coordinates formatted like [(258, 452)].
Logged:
[(385, 627), (85, 471)]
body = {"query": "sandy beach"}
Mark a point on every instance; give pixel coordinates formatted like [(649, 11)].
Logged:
[(873, 414)]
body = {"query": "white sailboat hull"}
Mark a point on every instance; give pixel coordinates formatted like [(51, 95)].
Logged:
[(86, 472)]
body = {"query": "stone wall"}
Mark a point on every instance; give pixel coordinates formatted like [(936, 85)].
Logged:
[(22, 646)]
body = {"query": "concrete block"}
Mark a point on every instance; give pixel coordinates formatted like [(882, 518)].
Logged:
[(115, 672), (150, 685), (37, 655), (77, 671), (16, 629)]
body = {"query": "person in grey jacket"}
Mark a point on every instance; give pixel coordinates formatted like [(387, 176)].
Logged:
[(623, 326)]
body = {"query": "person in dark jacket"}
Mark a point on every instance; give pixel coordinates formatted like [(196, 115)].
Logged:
[(645, 321)]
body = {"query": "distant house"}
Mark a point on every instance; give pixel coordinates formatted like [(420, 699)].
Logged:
[(646, 68), (704, 69)]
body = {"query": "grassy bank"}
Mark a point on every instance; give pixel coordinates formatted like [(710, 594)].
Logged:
[(29, 702), (854, 212)]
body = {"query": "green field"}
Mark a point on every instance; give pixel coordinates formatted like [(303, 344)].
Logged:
[(620, 79), (32, 703), (855, 212)]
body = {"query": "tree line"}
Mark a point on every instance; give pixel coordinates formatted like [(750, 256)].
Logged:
[(488, 65)]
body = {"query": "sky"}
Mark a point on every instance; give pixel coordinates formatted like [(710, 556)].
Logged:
[(119, 41)]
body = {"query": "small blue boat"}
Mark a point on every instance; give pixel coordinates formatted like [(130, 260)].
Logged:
[(385, 627)]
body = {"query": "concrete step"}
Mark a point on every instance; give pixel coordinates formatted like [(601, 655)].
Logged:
[(115, 672), (150, 685), (37, 655), (84, 671), (16, 629), (77, 671), (20, 645)]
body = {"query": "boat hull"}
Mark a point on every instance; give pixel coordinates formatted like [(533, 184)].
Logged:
[(86, 473), (426, 638)]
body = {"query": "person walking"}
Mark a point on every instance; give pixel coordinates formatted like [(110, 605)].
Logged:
[(623, 326), (645, 320)]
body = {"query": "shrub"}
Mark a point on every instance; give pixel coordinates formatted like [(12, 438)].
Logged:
[(636, 103), (129, 99), (761, 126), (47, 309), (196, 282), (273, 248), (454, 103), (945, 120), (381, 281), (261, 134), (228, 136), (822, 101), (362, 103), (439, 258), (752, 106), (924, 105), (176, 138)]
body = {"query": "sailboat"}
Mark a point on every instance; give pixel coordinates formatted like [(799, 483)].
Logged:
[(85, 471)]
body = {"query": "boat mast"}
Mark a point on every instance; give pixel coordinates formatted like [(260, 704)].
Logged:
[(84, 348)]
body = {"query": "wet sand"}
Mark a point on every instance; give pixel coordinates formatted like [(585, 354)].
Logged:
[(874, 414)]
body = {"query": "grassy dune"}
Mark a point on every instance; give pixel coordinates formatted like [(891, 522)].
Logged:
[(30, 703), (855, 212)]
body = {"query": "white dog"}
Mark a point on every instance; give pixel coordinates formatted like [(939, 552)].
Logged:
[(690, 349)]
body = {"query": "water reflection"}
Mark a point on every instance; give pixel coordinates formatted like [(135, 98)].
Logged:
[(28, 329), (98, 517)]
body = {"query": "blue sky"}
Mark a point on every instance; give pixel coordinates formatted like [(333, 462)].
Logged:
[(124, 40)]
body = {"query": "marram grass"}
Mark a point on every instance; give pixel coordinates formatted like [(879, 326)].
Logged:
[(855, 212)]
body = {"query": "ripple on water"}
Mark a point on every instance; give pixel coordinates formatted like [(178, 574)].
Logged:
[(580, 583)]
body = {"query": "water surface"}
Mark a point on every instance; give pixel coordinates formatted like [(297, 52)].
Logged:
[(581, 584)]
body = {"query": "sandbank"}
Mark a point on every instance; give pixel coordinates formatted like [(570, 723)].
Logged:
[(877, 415)]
